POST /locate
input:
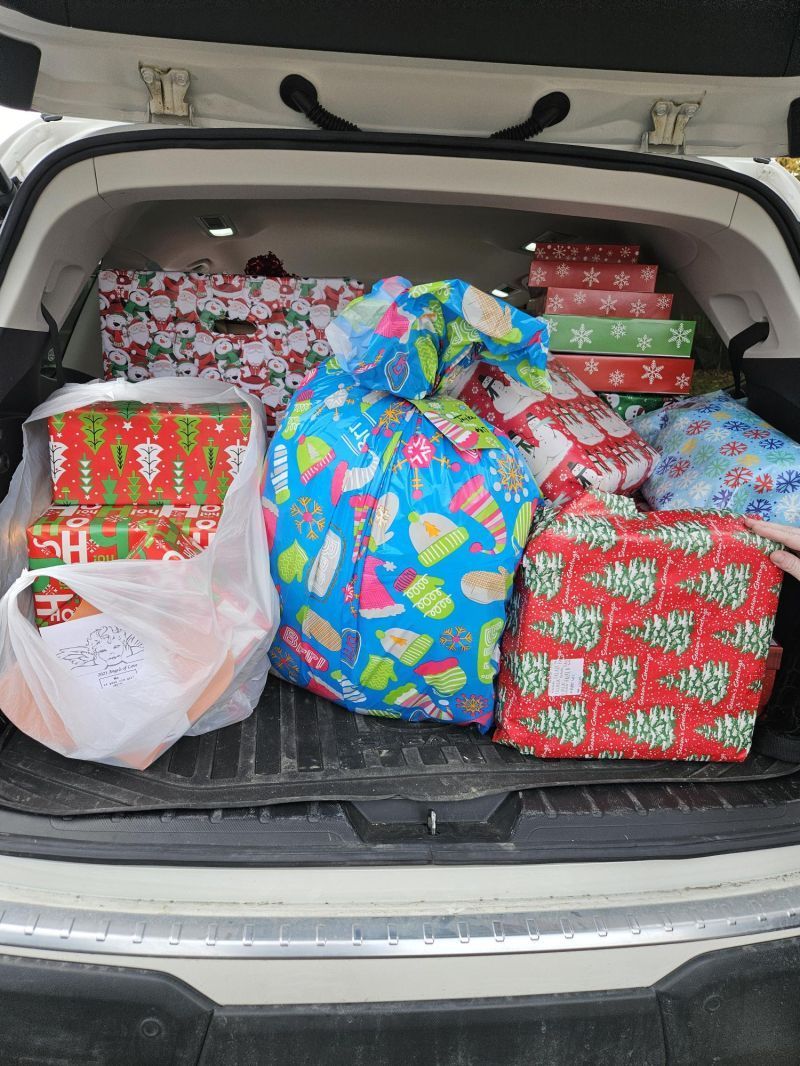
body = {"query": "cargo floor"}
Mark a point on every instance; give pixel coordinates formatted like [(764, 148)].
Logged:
[(297, 748)]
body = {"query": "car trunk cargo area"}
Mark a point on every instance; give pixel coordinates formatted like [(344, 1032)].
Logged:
[(297, 749)]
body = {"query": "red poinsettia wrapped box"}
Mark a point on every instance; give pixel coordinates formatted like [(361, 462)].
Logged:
[(126, 452), (641, 636), (91, 534)]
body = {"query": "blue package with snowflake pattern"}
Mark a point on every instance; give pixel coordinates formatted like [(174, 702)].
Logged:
[(717, 453), (396, 517)]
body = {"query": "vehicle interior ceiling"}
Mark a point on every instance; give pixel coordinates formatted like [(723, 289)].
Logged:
[(368, 240)]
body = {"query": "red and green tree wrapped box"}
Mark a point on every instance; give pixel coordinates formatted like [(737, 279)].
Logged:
[(640, 636), (558, 301), (146, 454), (620, 277), (594, 253), (91, 534), (620, 336)]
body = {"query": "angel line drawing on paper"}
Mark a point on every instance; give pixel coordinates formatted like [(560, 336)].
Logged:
[(107, 646)]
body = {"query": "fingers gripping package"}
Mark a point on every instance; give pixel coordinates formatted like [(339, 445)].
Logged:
[(717, 453), (638, 636), (396, 516)]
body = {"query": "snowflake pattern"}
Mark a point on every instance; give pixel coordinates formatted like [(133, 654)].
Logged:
[(679, 468), (622, 280), (581, 335), (580, 297), (553, 325), (763, 483), (700, 491), (591, 366), (419, 451), (511, 480), (733, 447), (538, 277), (456, 638), (555, 304), (644, 343), (738, 475), (756, 434), (788, 481), (697, 427), (309, 517), (618, 330), (723, 497), (625, 252), (771, 444), (789, 508), (760, 508), (638, 308), (608, 305), (663, 302), (652, 371), (682, 381), (616, 378), (679, 336), (591, 277), (648, 273), (562, 270), (472, 705), (559, 251)]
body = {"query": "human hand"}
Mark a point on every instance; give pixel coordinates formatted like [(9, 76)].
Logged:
[(789, 536)]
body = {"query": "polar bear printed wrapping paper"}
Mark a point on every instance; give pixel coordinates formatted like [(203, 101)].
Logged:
[(570, 438)]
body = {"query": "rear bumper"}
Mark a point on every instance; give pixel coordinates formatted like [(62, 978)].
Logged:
[(733, 1006)]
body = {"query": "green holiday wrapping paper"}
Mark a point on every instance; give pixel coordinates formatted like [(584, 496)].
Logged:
[(620, 336)]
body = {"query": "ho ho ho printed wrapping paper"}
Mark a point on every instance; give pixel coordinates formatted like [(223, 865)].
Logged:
[(396, 516)]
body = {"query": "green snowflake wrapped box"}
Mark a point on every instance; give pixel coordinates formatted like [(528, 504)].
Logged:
[(146, 454), (646, 635), (587, 334)]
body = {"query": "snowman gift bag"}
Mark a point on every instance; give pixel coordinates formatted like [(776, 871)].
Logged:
[(396, 516)]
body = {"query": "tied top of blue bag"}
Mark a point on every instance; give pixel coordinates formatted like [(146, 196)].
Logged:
[(404, 339)]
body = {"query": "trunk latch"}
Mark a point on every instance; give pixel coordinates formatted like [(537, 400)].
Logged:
[(668, 135), (167, 90)]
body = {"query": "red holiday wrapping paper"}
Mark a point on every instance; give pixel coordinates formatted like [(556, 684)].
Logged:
[(124, 452), (621, 277), (571, 439), (641, 636), (589, 253), (87, 534), (631, 373), (614, 304), (262, 334)]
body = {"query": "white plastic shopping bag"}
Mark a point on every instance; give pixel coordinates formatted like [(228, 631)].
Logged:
[(168, 648)]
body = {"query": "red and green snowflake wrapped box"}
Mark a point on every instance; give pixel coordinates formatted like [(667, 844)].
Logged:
[(146, 454), (91, 534), (639, 636)]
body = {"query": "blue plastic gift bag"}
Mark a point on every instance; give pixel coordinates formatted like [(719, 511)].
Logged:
[(396, 516), (716, 453)]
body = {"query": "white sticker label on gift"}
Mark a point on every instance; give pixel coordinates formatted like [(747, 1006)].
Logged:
[(566, 677), (97, 649)]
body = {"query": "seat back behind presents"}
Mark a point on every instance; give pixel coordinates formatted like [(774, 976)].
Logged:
[(259, 333)]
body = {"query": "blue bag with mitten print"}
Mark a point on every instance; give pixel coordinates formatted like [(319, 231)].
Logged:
[(396, 516)]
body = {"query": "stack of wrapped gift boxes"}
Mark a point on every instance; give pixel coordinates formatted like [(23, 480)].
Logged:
[(132, 481), (610, 327)]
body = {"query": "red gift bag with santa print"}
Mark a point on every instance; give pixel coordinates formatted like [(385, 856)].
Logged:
[(570, 438), (261, 334), (637, 636)]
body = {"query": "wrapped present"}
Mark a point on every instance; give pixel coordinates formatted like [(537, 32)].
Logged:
[(86, 534), (259, 333), (570, 438), (773, 664), (640, 373), (616, 336), (630, 405), (717, 453), (635, 635), (627, 277), (396, 516), (587, 253), (614, 304), (147, 454)]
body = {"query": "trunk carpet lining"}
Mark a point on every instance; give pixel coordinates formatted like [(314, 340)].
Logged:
[(298, 748)]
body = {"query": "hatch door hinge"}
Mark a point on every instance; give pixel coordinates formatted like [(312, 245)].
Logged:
[(167, 90), (668, 135)]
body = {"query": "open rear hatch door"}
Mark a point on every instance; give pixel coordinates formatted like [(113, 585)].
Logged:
[(705, 77)]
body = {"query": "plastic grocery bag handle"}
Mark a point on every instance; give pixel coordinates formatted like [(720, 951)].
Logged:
[(55, 344)]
